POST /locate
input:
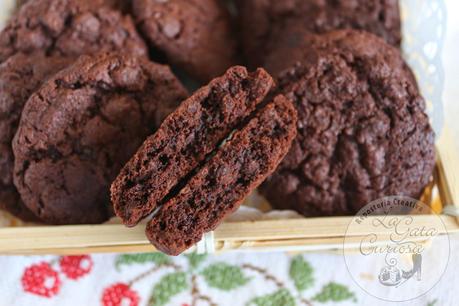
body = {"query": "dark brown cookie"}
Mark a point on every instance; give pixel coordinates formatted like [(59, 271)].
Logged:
[(362, 128), (265, 21), (20, 76), (195, 35), (290, 49), (184, 140), (219, 187), (70, 28), (81, 126), (122, 5)]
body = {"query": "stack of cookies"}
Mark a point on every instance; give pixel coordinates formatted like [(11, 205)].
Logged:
[(95, 120)]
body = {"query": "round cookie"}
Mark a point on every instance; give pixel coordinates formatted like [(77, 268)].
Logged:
[(196, 36), (362, 128), (292, 47), (20, 76), (81, 126), (69, 28), (263, 22)]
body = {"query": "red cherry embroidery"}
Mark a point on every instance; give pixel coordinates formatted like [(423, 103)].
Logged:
[(41, 279), (120, 294), (75, 267)]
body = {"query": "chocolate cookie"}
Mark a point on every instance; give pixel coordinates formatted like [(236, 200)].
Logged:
[(204, 120), (122, 5), (20, 76), (222, 183), (265, 21), (362, 128), (292, 48), (194, 35), (70, 28), (81, 126)]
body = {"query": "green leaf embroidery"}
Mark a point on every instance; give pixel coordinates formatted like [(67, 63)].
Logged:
[(301, 273), (129, 259), (432, 303), (281, 297), (195, 259), (168, 286), (334, 292), (224, 276)]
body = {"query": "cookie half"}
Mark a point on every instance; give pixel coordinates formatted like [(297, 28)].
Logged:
[(221, 184), (81, 126), (363, 131), (185, 139)]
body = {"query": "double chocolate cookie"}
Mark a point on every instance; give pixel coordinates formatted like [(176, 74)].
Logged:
[(362, 128), (69, 28), (41, 39), (191, 172), (263, 22), (20, 76), (290, 49), (122, 5), (194, 35), (204, 120), (81, 126), (221, 184)]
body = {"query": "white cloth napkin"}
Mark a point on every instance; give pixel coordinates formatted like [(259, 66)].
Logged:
[(228, 279)]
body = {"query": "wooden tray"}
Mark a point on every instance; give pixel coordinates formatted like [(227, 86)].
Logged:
[(303, 234)]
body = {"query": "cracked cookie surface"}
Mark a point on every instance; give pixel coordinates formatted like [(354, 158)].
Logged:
[(270, 20), (194, 35), (362, 128), (287, 51), (69, 28), (79, 129), (20, 76)]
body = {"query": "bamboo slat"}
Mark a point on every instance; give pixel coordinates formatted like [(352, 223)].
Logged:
[(278, 234), (448, 169)]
